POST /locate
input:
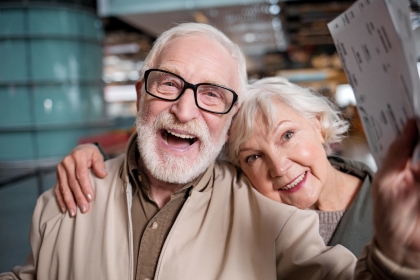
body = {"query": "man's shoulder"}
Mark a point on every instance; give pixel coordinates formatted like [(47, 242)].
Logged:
[(109, 192), (114, 177)]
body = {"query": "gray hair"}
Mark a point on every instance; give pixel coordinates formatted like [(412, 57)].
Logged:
[(306, 102), (185, 29)]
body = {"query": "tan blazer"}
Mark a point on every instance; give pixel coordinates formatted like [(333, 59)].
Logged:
[(229, 231)]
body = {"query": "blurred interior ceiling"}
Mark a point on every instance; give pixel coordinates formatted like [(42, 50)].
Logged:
[(258, 27)]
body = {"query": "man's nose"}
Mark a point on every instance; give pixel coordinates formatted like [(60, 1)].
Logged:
[(185, 108)]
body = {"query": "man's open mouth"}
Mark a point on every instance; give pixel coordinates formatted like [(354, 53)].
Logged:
[(178, 140)]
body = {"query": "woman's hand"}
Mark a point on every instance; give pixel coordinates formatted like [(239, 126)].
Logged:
[(396, 196), (73, 183)]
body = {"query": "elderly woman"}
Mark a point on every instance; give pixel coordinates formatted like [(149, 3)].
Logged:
[(280, 139)]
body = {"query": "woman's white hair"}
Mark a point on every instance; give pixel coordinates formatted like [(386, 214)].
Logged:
[(185, 29), (259, 100)]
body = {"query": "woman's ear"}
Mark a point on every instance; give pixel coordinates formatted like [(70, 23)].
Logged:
[(318, 127)]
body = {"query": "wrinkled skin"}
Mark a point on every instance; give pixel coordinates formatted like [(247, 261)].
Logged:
[(396, 197), (73, 183)]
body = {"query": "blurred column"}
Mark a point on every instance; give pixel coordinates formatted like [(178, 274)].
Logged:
[(51, 92)]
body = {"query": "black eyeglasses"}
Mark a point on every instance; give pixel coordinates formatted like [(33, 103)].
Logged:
[(208, 97)]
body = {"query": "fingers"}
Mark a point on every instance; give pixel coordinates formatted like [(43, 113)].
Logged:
[(59, 198), (396, 196), (98, 165), (89, 157), (401, 149), (73, 182), (76, 168), (62, 191), (415, 169)]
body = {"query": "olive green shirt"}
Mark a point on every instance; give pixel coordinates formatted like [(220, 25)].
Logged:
[(151, 225)]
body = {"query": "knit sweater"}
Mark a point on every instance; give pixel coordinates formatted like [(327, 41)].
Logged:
[(328, 222)]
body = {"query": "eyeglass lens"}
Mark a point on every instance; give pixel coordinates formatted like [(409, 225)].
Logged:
[(209, 97)]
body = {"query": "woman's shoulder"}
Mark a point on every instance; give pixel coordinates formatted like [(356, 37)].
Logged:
[(352, 167)]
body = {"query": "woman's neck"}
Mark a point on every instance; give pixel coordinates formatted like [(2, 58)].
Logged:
[(338, 192)]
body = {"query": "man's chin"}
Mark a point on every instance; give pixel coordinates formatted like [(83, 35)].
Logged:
[(176, 170)]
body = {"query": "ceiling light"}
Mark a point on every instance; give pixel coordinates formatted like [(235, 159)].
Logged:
[(274, 9), (122, 48), (213, 12), (189, 5), (249, 37), (120, 93), (344, 95)]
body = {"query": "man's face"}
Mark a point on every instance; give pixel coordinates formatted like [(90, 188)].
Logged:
[(177, 140)]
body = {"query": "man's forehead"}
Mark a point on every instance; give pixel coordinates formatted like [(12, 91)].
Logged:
[(198, 59), (208, 79)]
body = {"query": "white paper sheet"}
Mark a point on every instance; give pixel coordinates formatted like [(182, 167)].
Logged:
[(376, 45)]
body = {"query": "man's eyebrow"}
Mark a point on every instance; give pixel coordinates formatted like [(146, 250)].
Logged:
[(169, 69), (175, 71)]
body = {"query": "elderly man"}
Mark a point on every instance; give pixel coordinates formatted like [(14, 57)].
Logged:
[(167, 210)]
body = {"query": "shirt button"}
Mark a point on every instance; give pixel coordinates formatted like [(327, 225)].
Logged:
[(154, 225)]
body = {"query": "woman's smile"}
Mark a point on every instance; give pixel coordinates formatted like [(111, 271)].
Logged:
[(296, 185)]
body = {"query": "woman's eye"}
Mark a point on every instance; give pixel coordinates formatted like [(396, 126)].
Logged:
[(288, 135), (252, 158)]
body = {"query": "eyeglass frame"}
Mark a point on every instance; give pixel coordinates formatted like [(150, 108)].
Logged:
[(188, 85)]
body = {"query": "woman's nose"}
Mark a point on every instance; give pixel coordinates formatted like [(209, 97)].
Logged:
[(279, 166)]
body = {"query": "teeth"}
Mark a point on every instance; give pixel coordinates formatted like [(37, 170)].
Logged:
[(294, 183), (184, 136)]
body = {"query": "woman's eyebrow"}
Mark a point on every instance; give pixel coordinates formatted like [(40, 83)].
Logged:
[(277, 127)]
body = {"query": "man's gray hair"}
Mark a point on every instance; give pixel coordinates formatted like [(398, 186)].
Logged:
[(208, 31), (306, 102)]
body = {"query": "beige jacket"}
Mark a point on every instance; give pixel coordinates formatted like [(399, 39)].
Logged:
[(229, 231)]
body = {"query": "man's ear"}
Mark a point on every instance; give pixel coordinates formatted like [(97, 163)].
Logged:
[(139, 85), (234, 110)]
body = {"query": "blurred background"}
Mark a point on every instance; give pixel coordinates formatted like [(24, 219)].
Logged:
[(68, 68)]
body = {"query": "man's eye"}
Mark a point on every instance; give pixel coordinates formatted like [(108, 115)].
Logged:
[(169, 84), (252, 158), (212, 94)]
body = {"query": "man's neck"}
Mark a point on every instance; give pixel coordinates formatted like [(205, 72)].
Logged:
[(160, 191)]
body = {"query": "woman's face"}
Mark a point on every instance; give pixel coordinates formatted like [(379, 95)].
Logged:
[(289, 163)]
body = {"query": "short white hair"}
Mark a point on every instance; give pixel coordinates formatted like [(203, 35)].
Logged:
[(304, 101), (186, 29)]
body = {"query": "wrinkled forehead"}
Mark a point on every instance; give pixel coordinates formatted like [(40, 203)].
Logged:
[(198, 58)]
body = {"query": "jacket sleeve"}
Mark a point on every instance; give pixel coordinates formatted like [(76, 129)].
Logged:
[(29, 271), (372, 264), (302, 254)]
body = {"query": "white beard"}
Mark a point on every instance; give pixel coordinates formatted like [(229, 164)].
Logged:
[(171, 168)]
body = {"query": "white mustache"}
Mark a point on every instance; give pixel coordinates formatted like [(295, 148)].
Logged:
[(196, 127)]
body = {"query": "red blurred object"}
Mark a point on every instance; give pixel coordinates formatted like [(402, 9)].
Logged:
[(112, 142)]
